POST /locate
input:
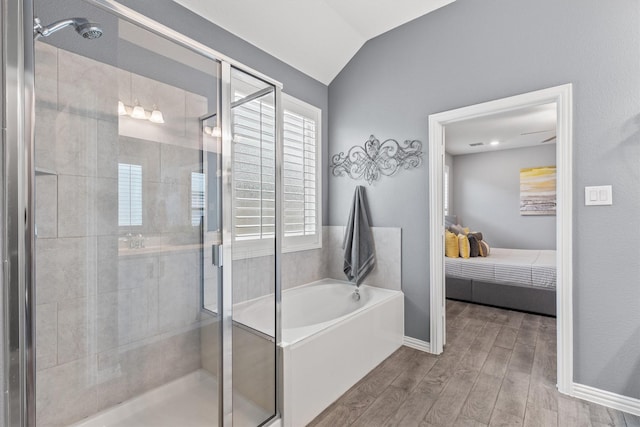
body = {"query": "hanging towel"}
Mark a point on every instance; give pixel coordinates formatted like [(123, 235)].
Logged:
[(359, 253)]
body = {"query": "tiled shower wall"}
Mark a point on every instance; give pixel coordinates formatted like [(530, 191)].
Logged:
[(112, 322)]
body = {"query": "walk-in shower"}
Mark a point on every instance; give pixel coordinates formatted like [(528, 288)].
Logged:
[(88, 30), (120, 308)]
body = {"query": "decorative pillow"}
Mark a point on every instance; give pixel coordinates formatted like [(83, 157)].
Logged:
[(463, 244), (456, 229), (477, 234), (451, 249), (486, 250), (473, 245)]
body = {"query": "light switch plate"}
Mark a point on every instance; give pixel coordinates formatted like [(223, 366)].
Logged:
[(598, 196)]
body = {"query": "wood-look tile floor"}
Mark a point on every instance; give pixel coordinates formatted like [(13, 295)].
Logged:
[(498, 369)]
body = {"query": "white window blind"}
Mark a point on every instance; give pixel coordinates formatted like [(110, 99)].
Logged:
[(254, 170), (299, 174), (197, 198), (254, 173), (129, 195)]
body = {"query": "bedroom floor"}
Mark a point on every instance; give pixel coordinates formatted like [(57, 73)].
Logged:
[(498, 369)]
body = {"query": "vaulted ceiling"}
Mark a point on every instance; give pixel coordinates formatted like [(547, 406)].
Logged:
[(317, 37)]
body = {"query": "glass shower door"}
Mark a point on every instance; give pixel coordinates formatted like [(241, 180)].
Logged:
[(253, 220), (122, 177)]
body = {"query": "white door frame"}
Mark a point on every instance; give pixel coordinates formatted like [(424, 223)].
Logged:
[(563, 97)]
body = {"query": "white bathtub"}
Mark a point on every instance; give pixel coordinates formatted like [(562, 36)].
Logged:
[(329, 340)]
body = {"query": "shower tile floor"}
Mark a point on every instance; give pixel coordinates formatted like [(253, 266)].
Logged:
[(191, 401)]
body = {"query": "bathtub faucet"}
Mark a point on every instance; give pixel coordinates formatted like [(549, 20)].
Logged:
[(356, 294)]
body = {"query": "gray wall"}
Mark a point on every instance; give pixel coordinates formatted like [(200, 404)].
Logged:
[(486, 194), (470, 52)]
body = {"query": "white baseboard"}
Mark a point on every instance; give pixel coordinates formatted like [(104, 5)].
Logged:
[(606, 398), (417, 344)]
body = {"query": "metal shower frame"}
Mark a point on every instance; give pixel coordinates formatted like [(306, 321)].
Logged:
[(18, 245)]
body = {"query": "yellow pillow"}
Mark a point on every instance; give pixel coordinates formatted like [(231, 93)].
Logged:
[(463, 244), (451, 249)]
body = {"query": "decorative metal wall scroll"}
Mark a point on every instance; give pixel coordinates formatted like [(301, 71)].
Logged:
[(376, 159)]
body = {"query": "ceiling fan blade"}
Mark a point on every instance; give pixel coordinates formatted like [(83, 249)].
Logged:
[(534, 132)]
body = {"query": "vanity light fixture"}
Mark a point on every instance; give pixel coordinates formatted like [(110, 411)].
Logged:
[(156, 116), (213, 131), (138, 112), (122, 110), (494, 143)]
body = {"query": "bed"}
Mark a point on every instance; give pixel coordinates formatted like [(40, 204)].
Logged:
[(516, 279)]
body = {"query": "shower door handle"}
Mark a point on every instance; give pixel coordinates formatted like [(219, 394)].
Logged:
[(216, 255)]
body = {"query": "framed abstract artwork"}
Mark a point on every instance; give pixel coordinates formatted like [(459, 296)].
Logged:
[(538, 191)]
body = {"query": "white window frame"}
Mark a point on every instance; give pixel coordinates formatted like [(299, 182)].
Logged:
[(132, 204), (314, 241), (198, 197), (243, 249)]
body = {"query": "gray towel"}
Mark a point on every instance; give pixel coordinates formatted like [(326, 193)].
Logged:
[(359, 253)]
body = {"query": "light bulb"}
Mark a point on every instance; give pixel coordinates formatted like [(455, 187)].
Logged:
[(216, 132), (138, 112), (156, 116), (208, 130), (122, 111), (494, 143)]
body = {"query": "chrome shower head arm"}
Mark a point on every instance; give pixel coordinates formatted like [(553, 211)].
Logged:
[(82, 26), (52, 28)]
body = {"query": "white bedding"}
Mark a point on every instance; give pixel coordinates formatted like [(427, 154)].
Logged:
[(516, 266)]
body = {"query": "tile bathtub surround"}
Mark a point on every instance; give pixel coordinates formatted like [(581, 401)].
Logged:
[(311, 265), (388, 246), (302, 267)]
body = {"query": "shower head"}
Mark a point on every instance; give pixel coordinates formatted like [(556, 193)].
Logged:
[(88, 30)]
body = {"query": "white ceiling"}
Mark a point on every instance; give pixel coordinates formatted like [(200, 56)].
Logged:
[(317, 37), (524, 127)]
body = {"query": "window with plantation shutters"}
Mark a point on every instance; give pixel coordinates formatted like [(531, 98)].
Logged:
[(129, 195), (197, 198), (254, 170), (299, 175), (254, 173), (302, 191)]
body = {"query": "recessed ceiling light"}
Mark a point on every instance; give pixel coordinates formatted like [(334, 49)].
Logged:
[(494, 143)]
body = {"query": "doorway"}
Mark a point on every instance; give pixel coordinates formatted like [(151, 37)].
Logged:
[(562, 97)]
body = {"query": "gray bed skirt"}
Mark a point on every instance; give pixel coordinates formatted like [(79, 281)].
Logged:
[(515, 297)]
